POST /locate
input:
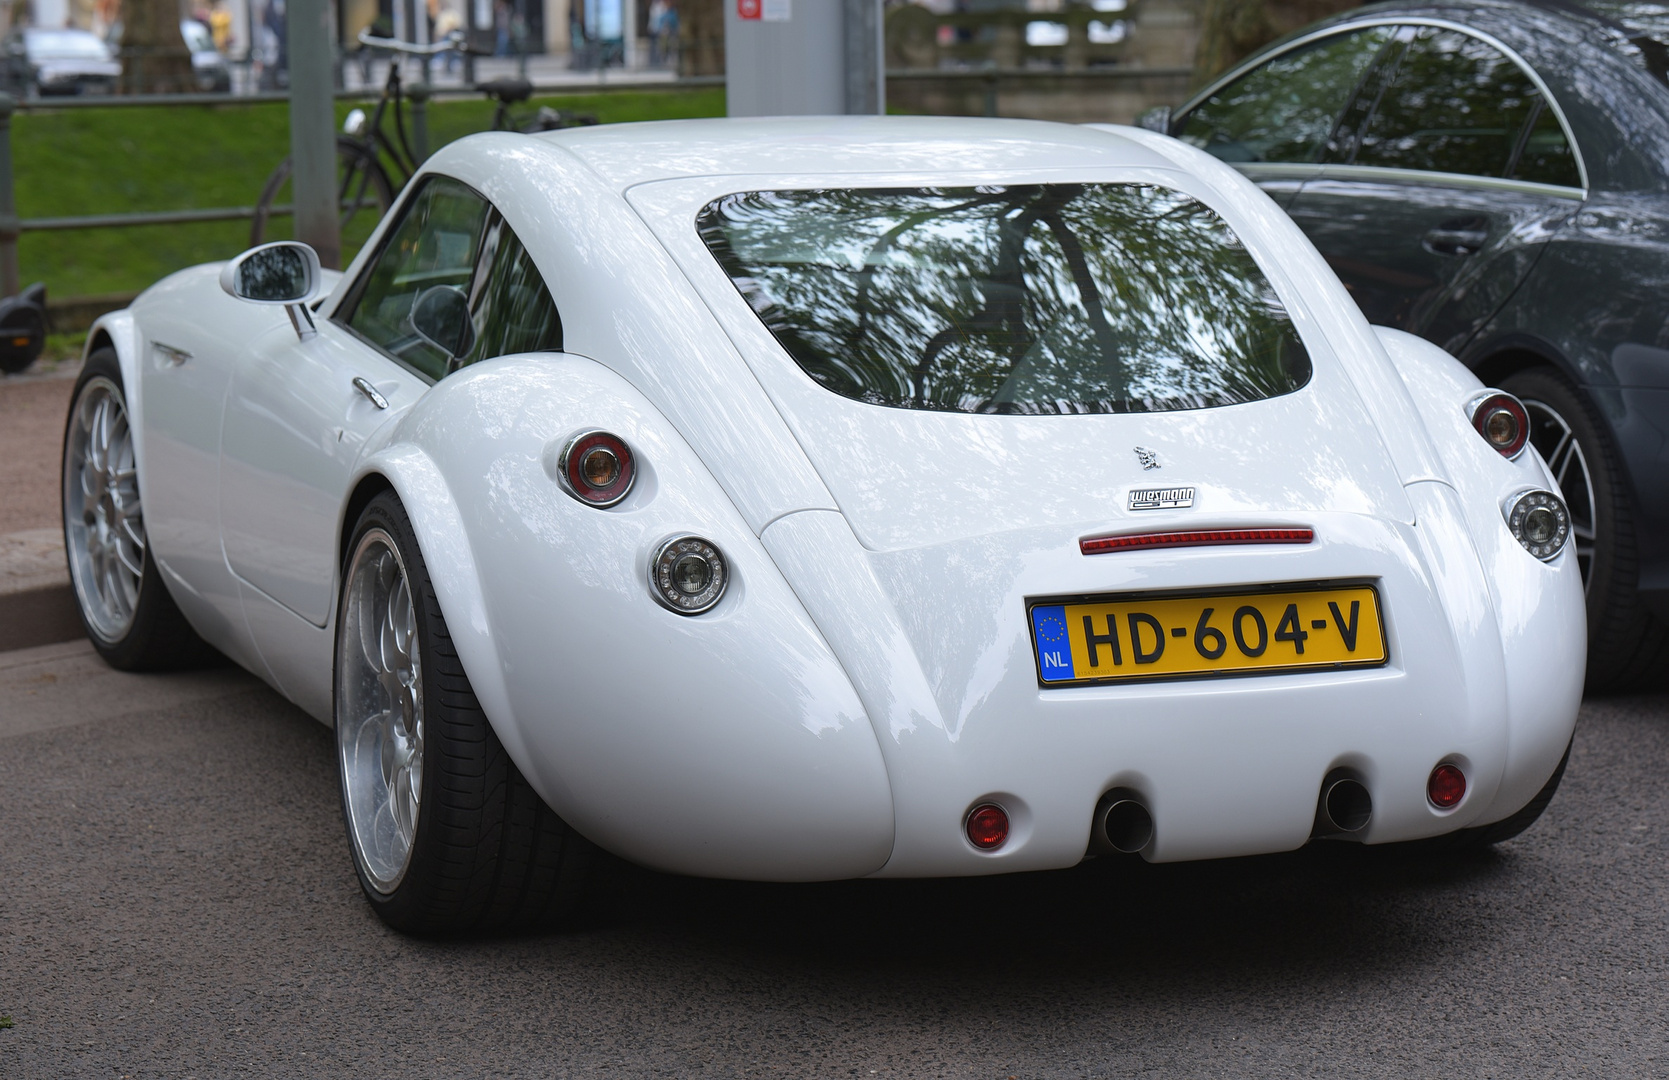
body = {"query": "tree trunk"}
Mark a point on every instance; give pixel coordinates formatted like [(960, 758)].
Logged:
[(1231, 30), (701, 37), (154, 56)]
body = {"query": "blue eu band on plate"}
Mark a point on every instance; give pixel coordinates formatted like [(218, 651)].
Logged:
[(1107, 639)]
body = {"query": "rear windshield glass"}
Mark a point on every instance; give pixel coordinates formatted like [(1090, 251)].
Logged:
[(1057, 298)]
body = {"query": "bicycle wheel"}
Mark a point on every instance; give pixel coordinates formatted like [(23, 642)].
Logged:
[(363, 192)]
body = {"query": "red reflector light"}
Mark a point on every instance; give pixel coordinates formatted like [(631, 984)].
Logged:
[(1500, 418), (988, 827), (597, 468), (1101, 545), (1446, 787)]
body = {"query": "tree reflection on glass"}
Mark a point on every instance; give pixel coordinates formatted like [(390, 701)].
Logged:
[(273, 275), (1060, 298)]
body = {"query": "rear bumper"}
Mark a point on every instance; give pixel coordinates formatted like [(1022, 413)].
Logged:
[(1227, 767)]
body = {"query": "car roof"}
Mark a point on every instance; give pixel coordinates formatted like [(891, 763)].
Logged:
[(628, 154), (1634, 30)]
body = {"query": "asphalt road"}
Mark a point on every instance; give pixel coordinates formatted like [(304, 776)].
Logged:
[(176, 900)]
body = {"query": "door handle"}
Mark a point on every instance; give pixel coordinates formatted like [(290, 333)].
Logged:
[(1462, 237), (363, 385)]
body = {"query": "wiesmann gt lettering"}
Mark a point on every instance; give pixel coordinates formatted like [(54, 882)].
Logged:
[(814, 499)]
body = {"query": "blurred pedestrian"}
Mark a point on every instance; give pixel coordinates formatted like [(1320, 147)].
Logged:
[(447, 22), (501, 28), (220, 26)]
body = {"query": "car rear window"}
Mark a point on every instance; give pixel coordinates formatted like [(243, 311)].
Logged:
[(1031, 299)]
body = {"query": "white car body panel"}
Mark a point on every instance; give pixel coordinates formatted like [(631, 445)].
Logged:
[(869, 676)]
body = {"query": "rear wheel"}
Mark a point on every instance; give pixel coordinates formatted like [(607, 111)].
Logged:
[(1628, 647), (119, 592), (447, 835)]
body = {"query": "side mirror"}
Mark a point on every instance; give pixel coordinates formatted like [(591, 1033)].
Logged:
[(440, 316), (285, 273), (1157, 119)]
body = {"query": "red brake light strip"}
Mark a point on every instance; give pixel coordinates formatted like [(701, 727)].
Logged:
[(1102, 545)]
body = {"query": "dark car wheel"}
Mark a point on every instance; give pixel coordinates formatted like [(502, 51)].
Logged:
[(447, 835), (1628, 647), (119, 592)]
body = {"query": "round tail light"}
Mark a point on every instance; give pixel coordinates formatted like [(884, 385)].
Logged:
[(1500, 418), (988, 827), (1446, 787), (597, 468), (688, 575), (1540, 521)]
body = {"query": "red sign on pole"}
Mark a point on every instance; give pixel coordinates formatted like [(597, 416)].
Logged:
[(747, 9)]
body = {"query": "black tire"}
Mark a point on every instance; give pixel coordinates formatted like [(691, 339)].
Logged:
[(157, 636), (485, 853), (1628, 646), (362, 189)]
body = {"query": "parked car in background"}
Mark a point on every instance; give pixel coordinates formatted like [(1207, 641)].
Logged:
[(909, 497), (39, 62), (1495, 177), (213, 73)]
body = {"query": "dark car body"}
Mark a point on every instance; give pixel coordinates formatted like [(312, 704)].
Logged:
[(1495, 177), (44, 61)]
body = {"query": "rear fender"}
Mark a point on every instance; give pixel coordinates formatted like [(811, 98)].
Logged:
[(730, 743), (1539, 607)]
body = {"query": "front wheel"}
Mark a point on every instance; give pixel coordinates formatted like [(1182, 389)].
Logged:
[(119, 592), (362, 188), (446, 833)]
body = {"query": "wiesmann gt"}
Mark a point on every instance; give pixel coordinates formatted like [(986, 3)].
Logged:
[(813, 499)]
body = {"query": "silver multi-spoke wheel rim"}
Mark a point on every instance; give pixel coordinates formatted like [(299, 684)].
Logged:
[(379, 710), (104, 526), (1554, 440)]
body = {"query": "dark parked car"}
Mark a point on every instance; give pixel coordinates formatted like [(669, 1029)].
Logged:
[(1495, 177), (38, 61)]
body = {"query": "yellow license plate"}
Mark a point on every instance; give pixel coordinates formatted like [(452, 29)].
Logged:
[(1109, 639)]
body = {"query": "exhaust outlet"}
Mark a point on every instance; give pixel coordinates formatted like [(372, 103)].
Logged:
[(1122, 824), (1345, 807)]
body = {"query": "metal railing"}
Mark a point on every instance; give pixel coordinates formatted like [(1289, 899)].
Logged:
[(11, 227)]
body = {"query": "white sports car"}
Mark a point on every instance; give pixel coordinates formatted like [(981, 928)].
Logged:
[(829, 498)]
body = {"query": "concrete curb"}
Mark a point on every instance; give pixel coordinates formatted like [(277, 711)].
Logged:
[(37, 603)]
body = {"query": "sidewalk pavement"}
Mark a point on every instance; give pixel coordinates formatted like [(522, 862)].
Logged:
[(36, 604)]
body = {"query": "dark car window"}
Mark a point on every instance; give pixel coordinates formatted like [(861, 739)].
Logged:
[(512, 309), (1546, 156), (1054, 298), (450, 236), (1284, 110), (1455, 104)]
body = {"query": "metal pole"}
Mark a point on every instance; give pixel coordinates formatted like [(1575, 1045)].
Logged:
[(8, 207), (469, 39), (866, 81), (313, 129), (419, 94)]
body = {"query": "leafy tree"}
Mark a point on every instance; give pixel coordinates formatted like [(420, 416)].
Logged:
[(1231, 30)]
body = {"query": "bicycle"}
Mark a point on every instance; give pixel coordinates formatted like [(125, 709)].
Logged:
[(363, 146)]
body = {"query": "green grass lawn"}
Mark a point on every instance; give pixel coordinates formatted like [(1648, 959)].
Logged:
[(122, 160)]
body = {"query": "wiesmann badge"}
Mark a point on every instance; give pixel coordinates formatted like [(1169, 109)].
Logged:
[(1167, 498)]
